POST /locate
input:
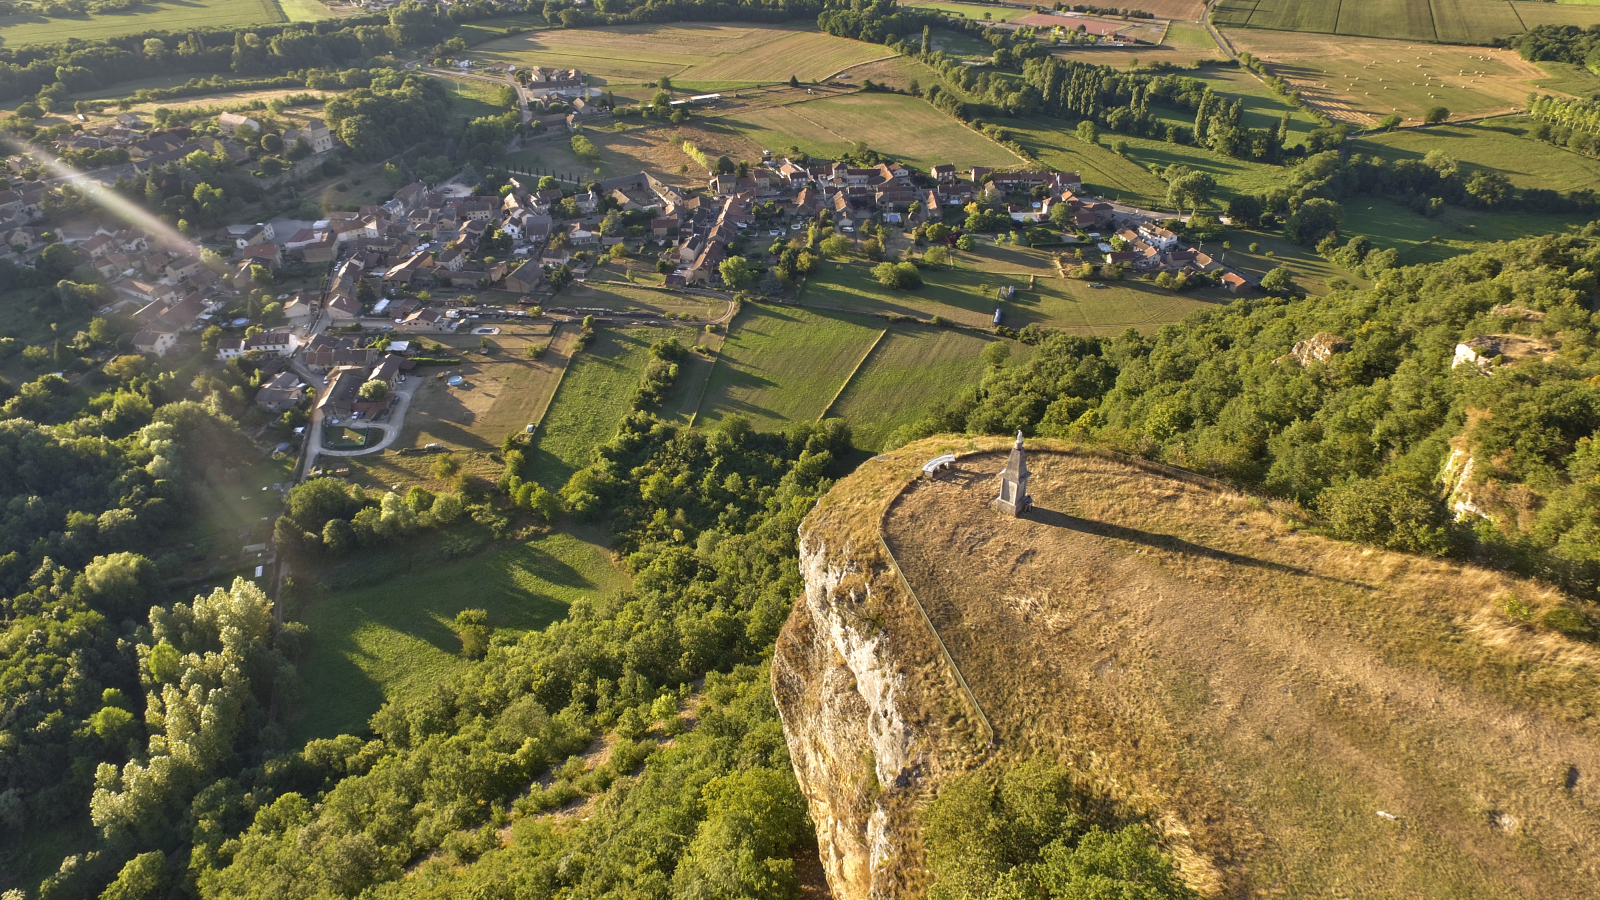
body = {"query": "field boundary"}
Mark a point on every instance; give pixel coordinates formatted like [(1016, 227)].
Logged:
[(560, 379), (852, 376)]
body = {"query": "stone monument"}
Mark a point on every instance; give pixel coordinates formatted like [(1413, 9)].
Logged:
[(1014, 499)]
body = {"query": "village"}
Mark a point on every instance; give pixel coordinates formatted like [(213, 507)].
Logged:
[(371, 274)]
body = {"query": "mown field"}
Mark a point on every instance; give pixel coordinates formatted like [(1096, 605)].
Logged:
[(377, 637), (1461, 21), (175, 15), (1497, 146), (692, 53), (593, 397), (1361, 80), (782, 364), (911, 368), (903, 127)]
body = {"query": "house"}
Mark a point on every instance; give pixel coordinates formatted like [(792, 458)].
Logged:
[(297, 309), (452, 259), (146, 292), (321, 250), (1235, 283), (264, 254), (342, 396), (424, 320), (179, 269), (943, 174), (252, 235), (268, 343), (588, 202), (1205, 263), (387, 370), (154, 342), (283, 393), (315, 134), (663, 227), (527, 277), (1158, 237), (230, 123), (343, 310)]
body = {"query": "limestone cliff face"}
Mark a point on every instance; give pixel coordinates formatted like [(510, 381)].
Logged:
[(840, 698)]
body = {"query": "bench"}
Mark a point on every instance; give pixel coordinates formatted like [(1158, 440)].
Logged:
[(937, 463)]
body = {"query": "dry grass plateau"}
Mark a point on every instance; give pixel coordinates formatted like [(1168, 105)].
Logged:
[(1299, 716)]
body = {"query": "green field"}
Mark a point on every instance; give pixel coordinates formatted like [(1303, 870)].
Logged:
[(391, 637), (1497, 146), (782, 364), (903, 127), (154, 15), (1449, 21), (1457, 231), (304, 10), (472, 99), (911, 368), (979, 11), (590, 403), (692, 52)]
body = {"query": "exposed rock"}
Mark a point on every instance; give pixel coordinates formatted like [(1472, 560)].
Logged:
[(1518, 312), (1320, 347), (1489, 350), (1456, 476)]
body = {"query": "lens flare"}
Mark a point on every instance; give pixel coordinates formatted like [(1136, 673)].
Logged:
[(120, 207)]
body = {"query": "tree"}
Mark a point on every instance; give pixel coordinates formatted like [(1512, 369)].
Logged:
[(664, 82), (965, 242), (794, 81), (900, 276), (472, 627), (724, 166), (1244, 211), (1278, 281), (1089, 132), (995, 355), (1390, 122), (936, 256), (736, 273), (1191, 190), (1435, 115), (834, 246), (1313, 221), (1390, 511), (373, 390)]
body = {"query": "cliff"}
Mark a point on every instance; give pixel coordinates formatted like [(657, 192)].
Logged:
[(1291, 713)]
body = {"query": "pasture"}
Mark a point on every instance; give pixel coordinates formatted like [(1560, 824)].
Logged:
[(1361, 80), (1498, 147), (376, 637), (966, 292), (154, 15), (782, 364), (902, 127), (910, 369), (590, 403), (1447, 21), (693, 53), (1421, 240)]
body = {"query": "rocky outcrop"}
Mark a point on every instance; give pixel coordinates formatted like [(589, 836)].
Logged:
[(839, 695)]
